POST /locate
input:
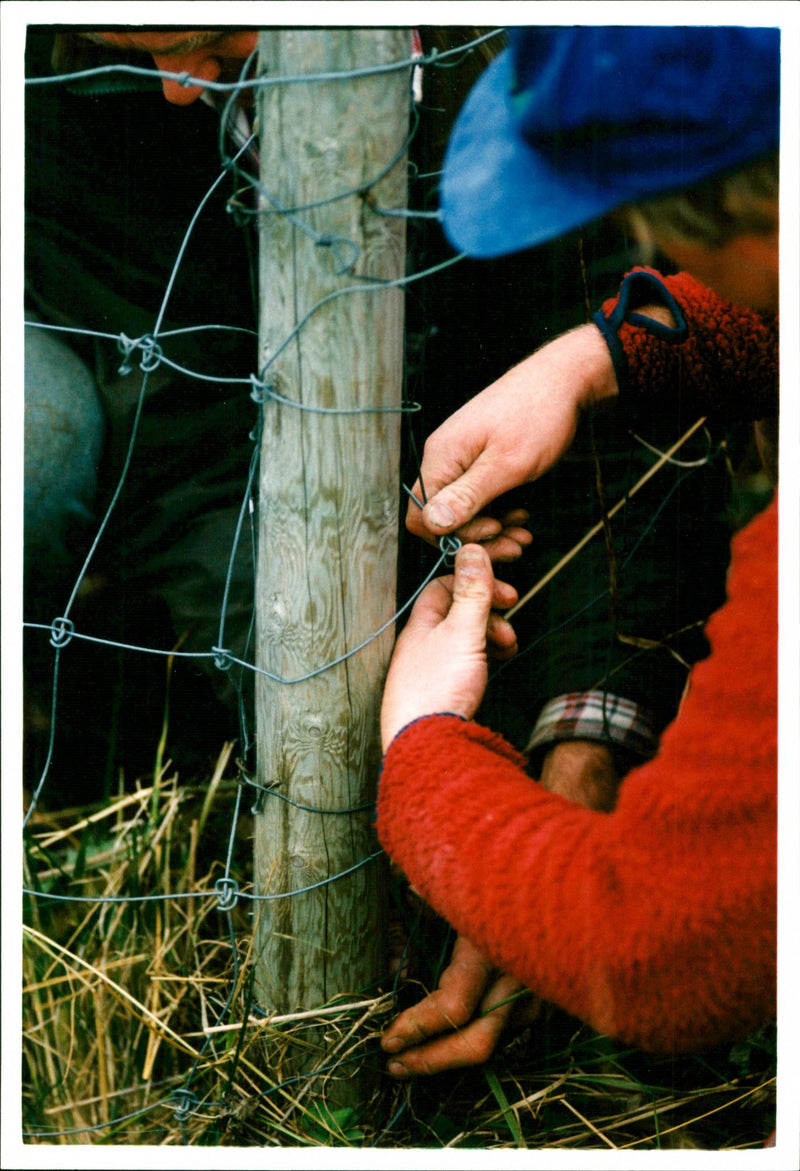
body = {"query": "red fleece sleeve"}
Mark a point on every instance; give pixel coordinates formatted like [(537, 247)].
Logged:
[(724, 363), (654, 923)]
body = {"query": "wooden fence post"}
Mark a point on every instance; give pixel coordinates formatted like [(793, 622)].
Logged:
[(328, 502)]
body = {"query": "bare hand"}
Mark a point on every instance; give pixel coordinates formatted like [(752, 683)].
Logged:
[(440, 661), (461, 1022), (509, 434)]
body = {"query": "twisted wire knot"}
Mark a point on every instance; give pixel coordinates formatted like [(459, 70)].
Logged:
[(260, 392), (449, 545), (152, 353), (61, 631), (223, 660), (184, 1102), (227, 891), (126, 348)]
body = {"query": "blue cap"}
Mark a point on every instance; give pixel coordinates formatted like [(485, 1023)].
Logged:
[(569, 123)]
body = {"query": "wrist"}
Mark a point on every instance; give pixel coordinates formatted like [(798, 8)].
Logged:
[(582, 771), (645, 303), (391, 730), (621, 725), (597, 377)]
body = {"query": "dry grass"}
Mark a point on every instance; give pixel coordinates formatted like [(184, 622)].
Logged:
[(138, 1026)]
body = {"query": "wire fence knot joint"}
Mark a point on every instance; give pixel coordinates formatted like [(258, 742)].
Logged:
[(184, 1103), (260, 392), (227, 891), (61, 631), (449, 545), (152, 353), (223, 660)]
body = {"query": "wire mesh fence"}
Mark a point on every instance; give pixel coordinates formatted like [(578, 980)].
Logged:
[(140, 1024)]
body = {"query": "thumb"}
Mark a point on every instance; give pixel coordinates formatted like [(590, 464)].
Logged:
[(473, 588), (462, 499)]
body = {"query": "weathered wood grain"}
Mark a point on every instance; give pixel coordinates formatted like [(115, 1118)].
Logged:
[(328, 503)]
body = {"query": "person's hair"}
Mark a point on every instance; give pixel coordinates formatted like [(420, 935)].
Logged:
[(712, 213)]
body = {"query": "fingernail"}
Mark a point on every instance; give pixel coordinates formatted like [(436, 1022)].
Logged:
[(470, 562), (397, 1069), (440, 515), (392, 1044), (470, 555)]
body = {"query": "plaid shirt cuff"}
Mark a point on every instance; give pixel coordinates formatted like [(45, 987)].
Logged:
[(595, 715)]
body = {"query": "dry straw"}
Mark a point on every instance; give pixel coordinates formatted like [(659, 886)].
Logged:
[(125, 1041)]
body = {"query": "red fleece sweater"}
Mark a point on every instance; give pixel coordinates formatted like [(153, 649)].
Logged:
[(655, 923)]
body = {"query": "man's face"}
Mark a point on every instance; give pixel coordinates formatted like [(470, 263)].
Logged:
[(208, 56), (745, 270)]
